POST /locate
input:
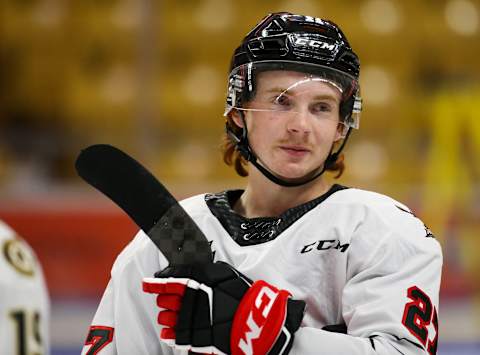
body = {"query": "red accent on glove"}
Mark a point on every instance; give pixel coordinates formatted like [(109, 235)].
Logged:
[(167, 318), (169, 301), (169, 297), (163, 287), (168, 334), (259, 319)]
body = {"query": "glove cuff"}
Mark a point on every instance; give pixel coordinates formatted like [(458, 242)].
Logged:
[(295, 312), (263, 322)]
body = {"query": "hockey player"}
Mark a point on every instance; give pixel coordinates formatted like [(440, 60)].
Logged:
[(301, 267), (24, 301)]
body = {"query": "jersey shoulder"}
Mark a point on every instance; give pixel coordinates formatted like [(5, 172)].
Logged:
[(369, 199), (370, 202), (195, 205), (198, 209), (382, 212), (139, 254), (385, 232)]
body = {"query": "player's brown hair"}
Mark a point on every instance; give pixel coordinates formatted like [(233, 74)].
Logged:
[(232, 157)]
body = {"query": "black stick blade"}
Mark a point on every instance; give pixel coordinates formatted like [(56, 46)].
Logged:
[(148, 203)]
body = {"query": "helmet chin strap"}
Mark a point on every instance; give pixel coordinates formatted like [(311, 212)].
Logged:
[(247, 152)]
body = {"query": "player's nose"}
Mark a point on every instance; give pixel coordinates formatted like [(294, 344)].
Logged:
[(299, 122)]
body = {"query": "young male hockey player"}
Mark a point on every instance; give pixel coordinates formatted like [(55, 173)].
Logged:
[(24, 301), (301, 267)]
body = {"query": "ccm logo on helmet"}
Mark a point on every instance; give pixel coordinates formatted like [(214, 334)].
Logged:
[(263, 305), (305, 42)]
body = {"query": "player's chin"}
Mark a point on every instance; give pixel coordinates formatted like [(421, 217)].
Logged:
[(293, 171)]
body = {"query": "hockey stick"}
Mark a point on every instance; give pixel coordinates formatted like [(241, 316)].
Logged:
[(148, 203)]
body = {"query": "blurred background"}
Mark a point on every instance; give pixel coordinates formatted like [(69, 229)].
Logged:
[(150, 77)]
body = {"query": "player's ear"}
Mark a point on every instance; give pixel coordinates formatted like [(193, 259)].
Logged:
[(236, 118), (340, 133)]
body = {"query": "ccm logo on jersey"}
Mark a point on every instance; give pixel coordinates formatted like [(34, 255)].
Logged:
[(321, 245), (259, 319)]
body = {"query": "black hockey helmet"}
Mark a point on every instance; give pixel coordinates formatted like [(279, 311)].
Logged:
[(285, 41)]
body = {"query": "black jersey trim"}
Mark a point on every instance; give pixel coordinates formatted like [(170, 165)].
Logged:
[(411, 342), (251, 231), (336, 328), (399, 339)]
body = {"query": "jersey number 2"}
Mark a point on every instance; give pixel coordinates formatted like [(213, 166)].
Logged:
[(98, 337), (418, 314)]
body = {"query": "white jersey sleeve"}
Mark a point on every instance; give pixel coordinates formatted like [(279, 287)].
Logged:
[(24, 300), (390, 298), (125, 321)]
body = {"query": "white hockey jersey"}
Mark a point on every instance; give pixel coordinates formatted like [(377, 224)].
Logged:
[(362, 262), (24, 301)]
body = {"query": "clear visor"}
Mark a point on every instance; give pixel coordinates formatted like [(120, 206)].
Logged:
[(288, 88)]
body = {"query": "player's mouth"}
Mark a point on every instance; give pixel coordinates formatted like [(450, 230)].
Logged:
[(295, 150)]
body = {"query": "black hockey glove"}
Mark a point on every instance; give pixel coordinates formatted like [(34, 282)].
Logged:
[(214, 309)]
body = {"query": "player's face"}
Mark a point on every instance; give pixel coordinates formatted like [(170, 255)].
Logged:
[(292, 122)]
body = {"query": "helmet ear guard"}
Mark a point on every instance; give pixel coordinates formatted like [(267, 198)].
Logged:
[(350, 110)]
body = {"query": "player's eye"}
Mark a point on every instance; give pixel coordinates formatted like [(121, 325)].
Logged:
[(321, 107), (282, 101)]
